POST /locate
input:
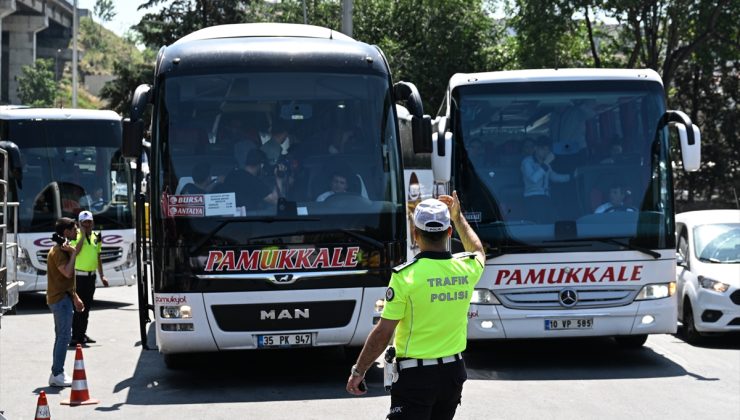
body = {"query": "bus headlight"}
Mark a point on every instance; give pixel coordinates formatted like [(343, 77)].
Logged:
[(656, 291), (176, 312), (712, 284), (484, 297), (23, 263)]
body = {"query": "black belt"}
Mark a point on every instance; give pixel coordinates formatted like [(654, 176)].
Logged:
[(85, 273)]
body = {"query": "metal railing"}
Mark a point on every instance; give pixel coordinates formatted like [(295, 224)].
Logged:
[(9, 287)]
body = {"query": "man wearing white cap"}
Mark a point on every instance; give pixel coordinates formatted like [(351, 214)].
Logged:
[(88, 244), (426, 304)]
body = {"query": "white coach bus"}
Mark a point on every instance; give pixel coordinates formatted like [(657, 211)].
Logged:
[(229, 271), (566, 176), (70, 161)]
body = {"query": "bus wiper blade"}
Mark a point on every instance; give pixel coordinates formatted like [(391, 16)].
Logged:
[(225, 221), (359, 236), (627, 245), (497, 251)]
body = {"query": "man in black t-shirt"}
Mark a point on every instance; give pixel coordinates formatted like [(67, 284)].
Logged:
[(251, 191)]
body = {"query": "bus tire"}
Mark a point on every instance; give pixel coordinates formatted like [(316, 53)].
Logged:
[(631, 341)]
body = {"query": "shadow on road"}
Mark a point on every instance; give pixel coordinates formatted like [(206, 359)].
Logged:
[(316, 374), (729, 341), (35, 303), (244, 376), (565, 359)]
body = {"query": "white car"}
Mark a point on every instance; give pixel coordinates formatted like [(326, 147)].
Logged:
[(708, 272)]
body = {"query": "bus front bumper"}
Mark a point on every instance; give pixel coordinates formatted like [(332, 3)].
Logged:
[(643, 317)]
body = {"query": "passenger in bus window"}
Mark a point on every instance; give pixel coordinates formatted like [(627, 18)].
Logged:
[(615, 152), (617, 196), (252, 192), (202, 183), (339, 184), (279, 143), (537, 175)]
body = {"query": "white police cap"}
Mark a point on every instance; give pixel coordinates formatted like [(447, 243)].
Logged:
[(432, 215)]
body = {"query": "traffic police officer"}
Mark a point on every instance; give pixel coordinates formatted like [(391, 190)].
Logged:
[(427, 304), (88, 244)]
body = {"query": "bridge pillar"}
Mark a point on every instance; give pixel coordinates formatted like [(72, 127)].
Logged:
[(22, 32), (6, 8)]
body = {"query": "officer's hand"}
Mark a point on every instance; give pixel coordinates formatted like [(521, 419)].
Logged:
[(453, 203), (353, 385), (104, 281)]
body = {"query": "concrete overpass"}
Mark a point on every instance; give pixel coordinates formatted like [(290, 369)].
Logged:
[(32, 29)]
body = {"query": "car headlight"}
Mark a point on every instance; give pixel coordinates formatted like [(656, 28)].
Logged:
[(656, 291), (712, 284), (484, 297)]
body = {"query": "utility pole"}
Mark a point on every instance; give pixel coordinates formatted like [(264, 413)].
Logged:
[(347, 17), (74, 56)]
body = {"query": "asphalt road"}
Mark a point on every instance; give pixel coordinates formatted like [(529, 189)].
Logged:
[(563, 379)]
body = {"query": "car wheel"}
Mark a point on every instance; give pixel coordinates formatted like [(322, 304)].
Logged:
[(691, 334), (631, 341)]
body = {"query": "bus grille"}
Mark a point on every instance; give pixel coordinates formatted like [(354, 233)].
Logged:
[(550, 298), (108, 254), (289, 316)]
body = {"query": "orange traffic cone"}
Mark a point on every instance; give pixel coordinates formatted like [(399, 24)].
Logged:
[(79, 395), (42, 408)]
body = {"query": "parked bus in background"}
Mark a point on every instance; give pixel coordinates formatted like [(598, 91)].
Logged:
[(70, 161), (298, 252), (566, 177)]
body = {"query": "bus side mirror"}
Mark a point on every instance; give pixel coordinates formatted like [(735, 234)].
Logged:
[(133, 132), (442, 157), (689, 137), (690, 151), (421, 125)]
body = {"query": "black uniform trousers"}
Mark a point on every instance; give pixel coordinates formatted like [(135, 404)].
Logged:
[(86, 291), (428, 392)]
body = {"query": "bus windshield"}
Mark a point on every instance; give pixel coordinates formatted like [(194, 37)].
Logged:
[(315, 150), (564, 166), (70, 166)]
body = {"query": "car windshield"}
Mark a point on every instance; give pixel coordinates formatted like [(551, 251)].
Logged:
[(717, 243), (555, 162)]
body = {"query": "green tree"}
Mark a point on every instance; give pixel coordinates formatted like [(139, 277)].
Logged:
[(36, 85), (105, 10), (178, 18), (129, 75)]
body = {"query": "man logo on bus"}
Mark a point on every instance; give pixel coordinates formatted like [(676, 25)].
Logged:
[(568, 297)]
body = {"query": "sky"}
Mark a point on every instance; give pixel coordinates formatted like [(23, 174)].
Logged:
[(126, 14)]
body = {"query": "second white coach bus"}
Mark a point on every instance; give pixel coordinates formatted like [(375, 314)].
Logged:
[(67, 160), (566, 176)]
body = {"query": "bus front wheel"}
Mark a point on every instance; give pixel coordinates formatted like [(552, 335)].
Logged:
[(631, 341)]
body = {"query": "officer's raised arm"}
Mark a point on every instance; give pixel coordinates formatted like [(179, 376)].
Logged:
[(467, 235)]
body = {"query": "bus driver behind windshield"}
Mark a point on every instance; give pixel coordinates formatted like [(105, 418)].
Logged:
[(427, 305)]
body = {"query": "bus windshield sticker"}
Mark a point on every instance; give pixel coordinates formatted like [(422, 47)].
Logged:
[(200, 205), (223, 204)]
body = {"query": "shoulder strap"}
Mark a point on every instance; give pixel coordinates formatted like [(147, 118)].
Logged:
[(398, 268)]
